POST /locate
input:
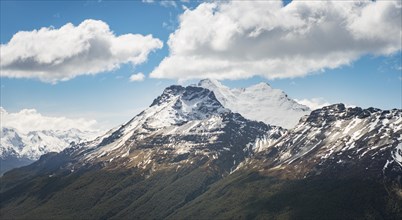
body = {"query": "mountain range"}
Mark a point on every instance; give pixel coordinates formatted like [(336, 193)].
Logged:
[(18, 148), (207, 151)]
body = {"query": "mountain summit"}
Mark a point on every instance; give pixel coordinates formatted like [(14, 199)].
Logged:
[(259, 102), (182, 126)]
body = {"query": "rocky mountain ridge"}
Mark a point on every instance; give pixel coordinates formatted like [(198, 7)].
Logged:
[(337, 138)]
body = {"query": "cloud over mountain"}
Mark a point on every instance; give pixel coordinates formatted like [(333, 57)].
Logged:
[(314, 103), (28, 120), (51, 55), (241, 39)]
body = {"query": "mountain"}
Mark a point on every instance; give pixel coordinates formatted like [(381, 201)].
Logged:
[(336, 138), (181, 125), (259, 102), (19, 149), (188, 156), (337, 163), (186, 140)]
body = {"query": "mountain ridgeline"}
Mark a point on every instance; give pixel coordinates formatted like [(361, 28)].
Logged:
[(18, 149), (188, 155)]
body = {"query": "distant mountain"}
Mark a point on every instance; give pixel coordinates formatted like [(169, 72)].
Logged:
[(259, 102), (188, 156), (19, 149)]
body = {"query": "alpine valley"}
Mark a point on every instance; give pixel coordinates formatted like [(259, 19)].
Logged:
[(209, 152)]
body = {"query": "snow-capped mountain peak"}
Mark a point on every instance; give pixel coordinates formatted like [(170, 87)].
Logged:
[(179, 104), (183, 122), (259, 102)]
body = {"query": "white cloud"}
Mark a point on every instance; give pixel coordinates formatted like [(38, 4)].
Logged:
[(168, 4), (28, 120), (137, 77), (53, 55), (241, 39), (314, 103)]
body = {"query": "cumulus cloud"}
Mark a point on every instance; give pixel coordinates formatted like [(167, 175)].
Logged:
[(53, 55), (241, 39), (314, 103), (28, 120), (137, 77)]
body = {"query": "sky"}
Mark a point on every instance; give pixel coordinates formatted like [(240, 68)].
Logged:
[(102, 62)]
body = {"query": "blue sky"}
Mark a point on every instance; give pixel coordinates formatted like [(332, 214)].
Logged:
[(110, 98)]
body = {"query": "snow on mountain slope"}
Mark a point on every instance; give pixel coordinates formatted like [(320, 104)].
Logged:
[(334, 137), (397, 154), (11, 142), (183, 125), (259, 102), (36, 143)]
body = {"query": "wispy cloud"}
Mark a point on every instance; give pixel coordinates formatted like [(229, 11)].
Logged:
[(57, 15), (171, 24), (53, 55), (241, 39), (390, 64), (168, 3), (164, 3), (319, 102)]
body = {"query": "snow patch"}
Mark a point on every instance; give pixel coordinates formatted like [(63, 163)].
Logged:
[(397, 154)]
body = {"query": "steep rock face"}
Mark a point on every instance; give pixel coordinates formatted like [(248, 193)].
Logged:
[(334, 139), (259, 102)]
